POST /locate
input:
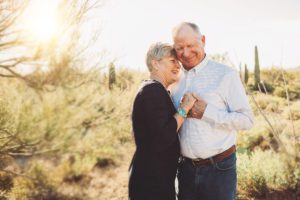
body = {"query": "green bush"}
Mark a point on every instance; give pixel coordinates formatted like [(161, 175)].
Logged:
[(267, 103), (7, 118), (264, 170), (39, 186), (293, 91), (257, 137), (293, 112), (87, 121), (280, 92), (266, 87), (250, 87)]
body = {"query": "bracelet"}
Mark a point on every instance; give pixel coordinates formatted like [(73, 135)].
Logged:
[(181, 112)]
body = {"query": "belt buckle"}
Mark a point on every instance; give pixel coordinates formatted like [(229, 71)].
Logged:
[(194, 161)]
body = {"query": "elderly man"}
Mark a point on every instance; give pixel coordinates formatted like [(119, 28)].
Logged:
[(207, 138)]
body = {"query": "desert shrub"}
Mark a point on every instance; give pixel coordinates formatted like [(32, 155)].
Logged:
[(267, 103), (266, 87), (273, 107), (6, 181), (7, 119), (262, 101), (250, 87), (264, 170), (257, 137), (56, 120), (280, 92), (293, 112), (293, 91), (274, 76), (88, 122), (38, 186)]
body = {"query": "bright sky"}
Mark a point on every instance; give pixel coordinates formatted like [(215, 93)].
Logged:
[(233, 26)]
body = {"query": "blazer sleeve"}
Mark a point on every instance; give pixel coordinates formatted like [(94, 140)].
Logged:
[(160, 121)]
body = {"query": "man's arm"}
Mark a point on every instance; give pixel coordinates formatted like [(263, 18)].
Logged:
[(238, 116)]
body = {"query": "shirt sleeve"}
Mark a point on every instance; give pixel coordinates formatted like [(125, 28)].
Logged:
[(160, 120), (238, 115)]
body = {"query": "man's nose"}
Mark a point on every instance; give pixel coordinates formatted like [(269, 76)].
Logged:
[(186, 52)]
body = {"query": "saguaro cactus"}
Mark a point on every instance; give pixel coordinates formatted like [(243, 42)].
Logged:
[(111, 76), (240, 71), (256, 69), (246, 74)]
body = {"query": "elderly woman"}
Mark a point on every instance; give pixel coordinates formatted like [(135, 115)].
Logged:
[(155, 125)]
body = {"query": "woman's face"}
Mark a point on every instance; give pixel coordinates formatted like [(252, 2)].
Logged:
[(169, 68)]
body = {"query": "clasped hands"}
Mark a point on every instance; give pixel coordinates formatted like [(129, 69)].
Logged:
[(193, 104)]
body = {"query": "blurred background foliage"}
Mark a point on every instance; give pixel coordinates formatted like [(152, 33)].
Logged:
[(65, 129)]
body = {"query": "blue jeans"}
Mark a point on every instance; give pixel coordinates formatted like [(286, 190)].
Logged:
[(216, 181)]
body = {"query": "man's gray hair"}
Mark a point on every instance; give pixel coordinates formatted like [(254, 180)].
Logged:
[(189, 24), (158, 51)]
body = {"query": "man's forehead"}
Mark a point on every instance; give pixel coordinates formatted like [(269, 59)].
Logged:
[(184, 30), (185, 40)]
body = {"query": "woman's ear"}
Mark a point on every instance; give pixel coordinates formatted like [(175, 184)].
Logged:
[(155, 65)]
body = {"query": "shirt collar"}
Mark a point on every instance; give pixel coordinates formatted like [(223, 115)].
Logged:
[(198, 67)]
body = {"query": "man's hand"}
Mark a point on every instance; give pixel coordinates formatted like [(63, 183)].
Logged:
[(198, 109)]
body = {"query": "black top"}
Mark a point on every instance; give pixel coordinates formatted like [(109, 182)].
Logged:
[(157, 146)]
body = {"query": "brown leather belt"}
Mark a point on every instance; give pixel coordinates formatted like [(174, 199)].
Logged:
[(216, 158)]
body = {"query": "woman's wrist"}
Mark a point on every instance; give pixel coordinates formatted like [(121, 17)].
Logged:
[(185, 107), (182, 111)]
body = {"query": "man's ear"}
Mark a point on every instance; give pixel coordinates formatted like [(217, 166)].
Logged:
[(203, 40)]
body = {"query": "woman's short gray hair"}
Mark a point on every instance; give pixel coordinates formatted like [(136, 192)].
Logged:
[(158, 51)]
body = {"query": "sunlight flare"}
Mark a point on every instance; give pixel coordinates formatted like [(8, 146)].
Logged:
[(41, 20)]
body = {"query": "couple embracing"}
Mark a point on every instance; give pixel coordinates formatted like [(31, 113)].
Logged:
[(190, 131)]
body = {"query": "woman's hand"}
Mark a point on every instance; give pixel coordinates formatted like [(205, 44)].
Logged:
[(187, 102)]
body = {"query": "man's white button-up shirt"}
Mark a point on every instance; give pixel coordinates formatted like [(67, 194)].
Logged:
[(227, 109)]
